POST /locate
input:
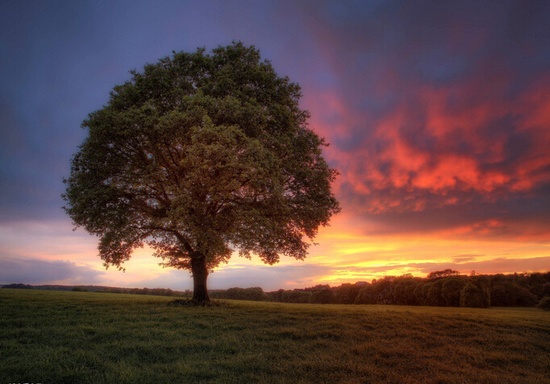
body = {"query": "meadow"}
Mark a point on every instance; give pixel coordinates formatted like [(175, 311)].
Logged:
[(90, 337)]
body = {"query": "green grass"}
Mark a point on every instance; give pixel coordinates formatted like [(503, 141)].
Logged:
[(78, 337)]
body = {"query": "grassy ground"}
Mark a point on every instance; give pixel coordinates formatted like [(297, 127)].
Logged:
[(77, 337)]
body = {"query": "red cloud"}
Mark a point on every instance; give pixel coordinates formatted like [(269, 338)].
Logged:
[(443, 153), (439, 123)]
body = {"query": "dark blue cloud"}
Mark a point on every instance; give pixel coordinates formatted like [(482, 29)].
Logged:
[(437, 90), (37, 271)]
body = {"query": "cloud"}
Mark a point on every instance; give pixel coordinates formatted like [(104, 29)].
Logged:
[(39, 271), (464, 265), (445, 113), (492, 266)]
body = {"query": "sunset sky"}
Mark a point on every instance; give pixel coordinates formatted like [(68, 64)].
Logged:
[(437, 112)]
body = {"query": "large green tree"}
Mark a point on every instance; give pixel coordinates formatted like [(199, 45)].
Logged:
[(200, 155)]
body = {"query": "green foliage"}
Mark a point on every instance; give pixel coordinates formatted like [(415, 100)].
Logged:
[(404, 291), (433, 294), (346, 293), (511, 294), (444, 273), (521, 291), (473, 296), (200, 155), (296, 296), (323, 296), (451, 290), (85, 337), (367, 295), (544, 303), (236, 293)]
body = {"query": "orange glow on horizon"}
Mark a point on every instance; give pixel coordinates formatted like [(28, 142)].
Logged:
[(354, 256)]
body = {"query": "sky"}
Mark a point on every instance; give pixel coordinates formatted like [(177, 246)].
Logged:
[(437, 112)]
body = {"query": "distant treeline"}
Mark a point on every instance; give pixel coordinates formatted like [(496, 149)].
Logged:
[(441, 288), (445, 288), (98, 288)]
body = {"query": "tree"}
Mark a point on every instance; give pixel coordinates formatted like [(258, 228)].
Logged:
[(450, 291), (473, 296), (544, 303), (367, 295), (444, 273), (198, 156), (296, 296), (236, 293), (384, 290), (346, 293), (404, 291), (323, 296), (433, 294)]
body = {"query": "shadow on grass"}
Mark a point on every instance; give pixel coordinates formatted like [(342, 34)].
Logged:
[(196, 303)]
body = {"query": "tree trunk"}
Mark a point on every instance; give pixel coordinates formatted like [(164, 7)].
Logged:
[(200, 274)]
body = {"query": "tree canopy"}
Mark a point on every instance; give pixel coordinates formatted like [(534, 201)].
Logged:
[(200, 155)]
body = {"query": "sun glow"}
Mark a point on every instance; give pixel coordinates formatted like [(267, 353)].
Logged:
[(350, 256)]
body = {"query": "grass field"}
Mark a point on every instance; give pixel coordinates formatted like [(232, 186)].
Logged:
[(80, 337)]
